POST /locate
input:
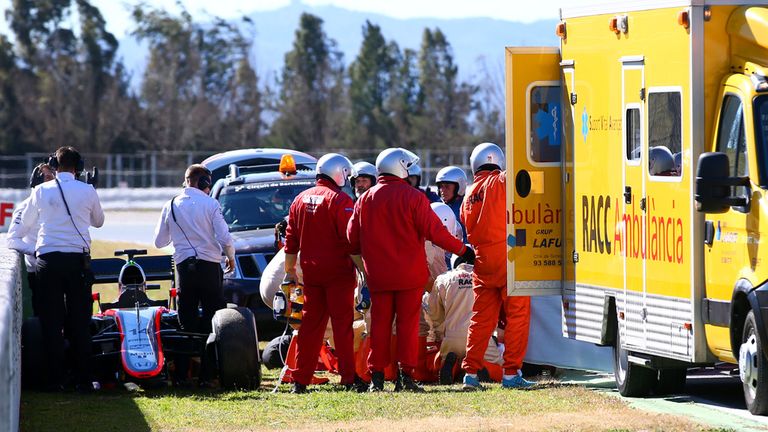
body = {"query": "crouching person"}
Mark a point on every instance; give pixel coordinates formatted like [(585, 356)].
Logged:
[(317, 224), (449, 306)]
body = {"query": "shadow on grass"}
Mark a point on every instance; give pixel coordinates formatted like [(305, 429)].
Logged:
[(63, 412)]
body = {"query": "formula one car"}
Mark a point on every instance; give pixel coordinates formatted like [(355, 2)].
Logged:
[(135, 337)]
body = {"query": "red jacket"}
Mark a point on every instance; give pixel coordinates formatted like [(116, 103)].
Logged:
[(484, 214), (317, 224), (388, 228)]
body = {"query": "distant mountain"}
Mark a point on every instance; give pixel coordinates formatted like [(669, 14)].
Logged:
[(474, 40)]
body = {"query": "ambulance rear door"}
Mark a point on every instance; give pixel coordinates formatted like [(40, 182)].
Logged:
[(534, 123)]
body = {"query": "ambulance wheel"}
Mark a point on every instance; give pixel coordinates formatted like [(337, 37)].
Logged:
[(33, 369), (670, 381), (631, 379), (752, 368), (237, 349)]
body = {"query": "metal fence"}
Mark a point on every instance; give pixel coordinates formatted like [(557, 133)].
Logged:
[(134, 170), (165, 169)]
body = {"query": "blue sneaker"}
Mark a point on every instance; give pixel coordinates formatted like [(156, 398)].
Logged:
[(471, 384), (517, 382)]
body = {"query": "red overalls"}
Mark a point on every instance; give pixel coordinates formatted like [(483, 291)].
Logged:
[(390, 223), (317, 224)]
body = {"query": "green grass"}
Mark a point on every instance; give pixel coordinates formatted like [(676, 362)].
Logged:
[(328, 408)]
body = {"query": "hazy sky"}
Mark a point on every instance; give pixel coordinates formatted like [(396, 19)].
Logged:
[(118, 19)]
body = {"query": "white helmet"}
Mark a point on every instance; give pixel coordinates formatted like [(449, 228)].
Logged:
[(415, 170), (661, 161), (335, 166), (395, 161), (453, 174), (448, 218), (484, 154), (364, 169)]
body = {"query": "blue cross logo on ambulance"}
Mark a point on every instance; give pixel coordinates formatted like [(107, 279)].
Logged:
[(620, 233), (545, 115)]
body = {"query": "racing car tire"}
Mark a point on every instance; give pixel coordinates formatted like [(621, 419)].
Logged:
[(237, 348), (33, 367)]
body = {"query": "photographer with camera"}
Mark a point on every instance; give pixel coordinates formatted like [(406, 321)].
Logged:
[(63, 210), (193, 223)]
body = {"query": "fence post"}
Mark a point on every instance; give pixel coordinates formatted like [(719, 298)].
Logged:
[(30, 165), (153, 169), (118, 167), (109, 170)]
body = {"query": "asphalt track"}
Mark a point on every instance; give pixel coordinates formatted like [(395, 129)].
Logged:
[(128, 226), (712, 397)]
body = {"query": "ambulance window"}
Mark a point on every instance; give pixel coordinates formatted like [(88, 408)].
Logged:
[(545, 124), (761, 133), (633, 134), (664, 133), (731, 139)]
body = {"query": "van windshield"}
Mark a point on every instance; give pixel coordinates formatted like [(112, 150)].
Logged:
[(761, 136), (259, 205)]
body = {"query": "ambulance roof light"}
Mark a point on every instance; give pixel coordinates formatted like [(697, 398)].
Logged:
[(560, 30), (684, 18), (619, 24), (613, 25), (287, 165)]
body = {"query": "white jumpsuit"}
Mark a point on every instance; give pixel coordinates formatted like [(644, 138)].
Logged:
[(437, 266), (273, 276), (449, 307)]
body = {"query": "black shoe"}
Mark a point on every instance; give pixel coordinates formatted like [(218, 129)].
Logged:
[(406, 383), (484, 376), (298, 388), (446, 370), (377, 382), (358, 386)]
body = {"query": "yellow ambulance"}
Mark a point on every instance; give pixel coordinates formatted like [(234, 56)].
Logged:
[(638, 151)]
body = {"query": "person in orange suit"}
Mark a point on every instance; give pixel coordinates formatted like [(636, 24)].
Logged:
[(483, 214)]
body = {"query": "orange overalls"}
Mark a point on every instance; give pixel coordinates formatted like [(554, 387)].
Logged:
[(483, 213)]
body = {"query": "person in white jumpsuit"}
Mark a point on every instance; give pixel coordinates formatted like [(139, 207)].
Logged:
[(448, 307)]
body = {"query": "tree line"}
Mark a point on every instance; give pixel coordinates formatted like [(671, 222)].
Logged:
[(62, 84)]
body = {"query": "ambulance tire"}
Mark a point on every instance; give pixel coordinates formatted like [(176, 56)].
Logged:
[(670, 381), (237, 349), (752, 368), (632, 380)]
